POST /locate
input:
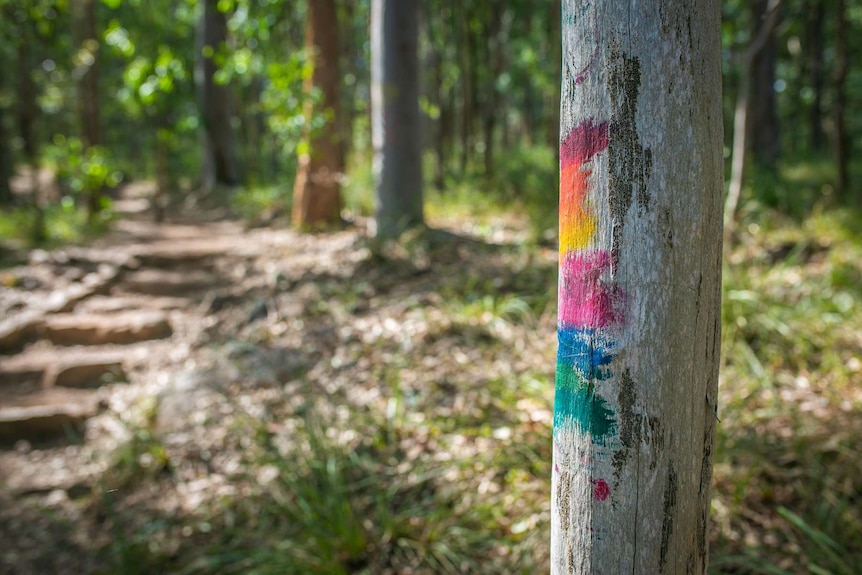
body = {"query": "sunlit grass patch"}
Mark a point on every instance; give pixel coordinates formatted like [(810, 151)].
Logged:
[(787, 469)]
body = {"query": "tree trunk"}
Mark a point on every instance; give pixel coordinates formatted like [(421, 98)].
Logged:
[(6, 161), (839, 106), (87, 73), (395, 117), (27, 111), (317, 191), (763, 119), (742, 120), (640, 280), (219, 156), (815, 54)]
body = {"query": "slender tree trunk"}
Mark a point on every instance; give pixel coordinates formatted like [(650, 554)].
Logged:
[(6, 161), (87, 73), (640, 266), (467, 86), (317, 192), (219, 156), (742, 120), (763, 125), (815, 55), (27, 112), (395, 119), (839, 106), (491, 106)]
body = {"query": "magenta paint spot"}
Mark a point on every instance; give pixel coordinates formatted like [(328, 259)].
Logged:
[(584, 141), (587, 299), (601, 489)]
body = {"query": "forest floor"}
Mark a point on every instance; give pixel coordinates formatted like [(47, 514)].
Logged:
[(199, 396)]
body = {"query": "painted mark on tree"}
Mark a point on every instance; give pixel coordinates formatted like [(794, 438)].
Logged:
[(601, 489), (585, 351), (589, 297)]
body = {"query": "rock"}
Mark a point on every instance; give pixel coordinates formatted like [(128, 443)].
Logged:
[(188, 393), (121, 328)]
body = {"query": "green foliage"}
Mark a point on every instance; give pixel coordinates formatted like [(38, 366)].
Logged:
[(82, 169)]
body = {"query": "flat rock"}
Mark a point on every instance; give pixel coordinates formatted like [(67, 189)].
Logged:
[(166, 283), (47, 413), (102, 329)]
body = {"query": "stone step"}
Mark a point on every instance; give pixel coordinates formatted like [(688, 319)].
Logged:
[(19, 330), (27, 325), (79, 367), (103, 329), (166, 283), (46, 414), (118, 303)]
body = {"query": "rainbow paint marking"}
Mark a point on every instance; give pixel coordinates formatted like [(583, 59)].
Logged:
[(591, 304)]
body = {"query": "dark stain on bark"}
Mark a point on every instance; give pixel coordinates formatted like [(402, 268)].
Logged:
[(629, 423), (630, 163), (564, 503), (670, 490)]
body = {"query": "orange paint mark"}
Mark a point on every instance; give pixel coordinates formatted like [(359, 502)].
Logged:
[(577, 223)]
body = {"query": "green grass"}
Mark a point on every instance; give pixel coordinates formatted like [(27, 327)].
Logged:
[(788, 456)]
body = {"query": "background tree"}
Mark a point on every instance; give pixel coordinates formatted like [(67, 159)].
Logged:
[(86, 72), (396, 123), (640, 281), (219, 159), (317, 191)]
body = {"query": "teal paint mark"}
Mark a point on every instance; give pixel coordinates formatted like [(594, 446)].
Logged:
[(576, 405)]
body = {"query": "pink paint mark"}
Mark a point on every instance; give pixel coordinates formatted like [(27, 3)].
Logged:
[(601, 489), (584, 142), (587, 300)]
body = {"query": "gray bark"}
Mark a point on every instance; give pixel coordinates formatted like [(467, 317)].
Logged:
[(640, 280), (396, 122)]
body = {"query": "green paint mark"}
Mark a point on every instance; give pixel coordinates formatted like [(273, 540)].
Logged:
[(576, 405)]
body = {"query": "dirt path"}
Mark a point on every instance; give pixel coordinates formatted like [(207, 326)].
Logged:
[(135, 372), (86, 330)]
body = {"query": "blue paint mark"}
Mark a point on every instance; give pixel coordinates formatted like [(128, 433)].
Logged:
[(586, 352)]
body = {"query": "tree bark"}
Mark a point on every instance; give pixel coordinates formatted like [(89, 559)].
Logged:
[(219, 157), (395, 118), (640, 279), (317, 191)]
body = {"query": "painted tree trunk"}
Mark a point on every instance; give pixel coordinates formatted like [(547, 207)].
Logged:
[(639, 292), (317, 190), (219, 157), (395, 118)]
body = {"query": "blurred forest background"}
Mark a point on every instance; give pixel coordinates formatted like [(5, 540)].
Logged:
[(352, 406)]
